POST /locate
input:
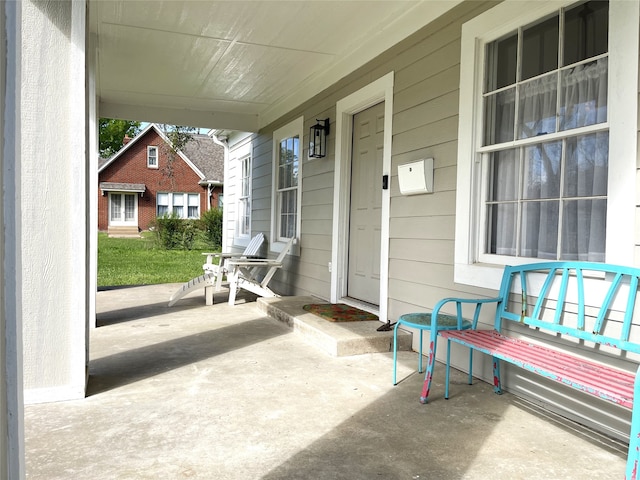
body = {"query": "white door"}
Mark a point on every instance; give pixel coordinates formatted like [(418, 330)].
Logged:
[(123, 209), (365, 214)]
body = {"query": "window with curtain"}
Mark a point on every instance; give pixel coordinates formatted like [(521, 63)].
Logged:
[(545, 151)]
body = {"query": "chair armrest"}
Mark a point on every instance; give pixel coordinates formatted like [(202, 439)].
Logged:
[(225, 256), (253, 262), (479, 302)]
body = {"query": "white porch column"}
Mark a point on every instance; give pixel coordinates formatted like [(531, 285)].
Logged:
[(11, 400), (51, 200)]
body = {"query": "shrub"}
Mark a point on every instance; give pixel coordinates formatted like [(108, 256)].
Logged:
[(212, 220), (172, 232)]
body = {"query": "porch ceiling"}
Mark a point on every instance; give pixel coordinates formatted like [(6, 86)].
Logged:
[(237, 65)]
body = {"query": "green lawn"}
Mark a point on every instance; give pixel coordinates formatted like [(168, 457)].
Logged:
[(137, 261)]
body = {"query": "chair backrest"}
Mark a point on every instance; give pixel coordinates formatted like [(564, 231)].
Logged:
[(254, 245), (279, 260), (286, 249)]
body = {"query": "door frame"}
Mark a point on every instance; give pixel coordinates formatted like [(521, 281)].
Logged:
[(378, 91), (122, 223)]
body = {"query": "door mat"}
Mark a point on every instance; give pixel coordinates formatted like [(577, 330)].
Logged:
[(339, 312)]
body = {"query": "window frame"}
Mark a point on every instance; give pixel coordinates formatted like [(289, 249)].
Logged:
[(151, 148), (240, 165), (185, 204), (292, 129), (474, 268)]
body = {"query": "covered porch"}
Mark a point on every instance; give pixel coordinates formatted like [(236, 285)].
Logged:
[(229, 392)]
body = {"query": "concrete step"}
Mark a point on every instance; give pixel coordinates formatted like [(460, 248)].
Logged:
[(123, 232), (336, 338)]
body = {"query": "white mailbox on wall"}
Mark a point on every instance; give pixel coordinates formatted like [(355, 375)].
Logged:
[(416, 177)]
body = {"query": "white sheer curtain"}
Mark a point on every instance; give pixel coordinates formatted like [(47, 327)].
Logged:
[(582, 102)]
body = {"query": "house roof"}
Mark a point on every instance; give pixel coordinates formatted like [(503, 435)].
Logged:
[(208, 156), (122, 187), (203, 153)]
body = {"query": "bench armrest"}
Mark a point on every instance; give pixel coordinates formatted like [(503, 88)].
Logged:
[(479, 302)]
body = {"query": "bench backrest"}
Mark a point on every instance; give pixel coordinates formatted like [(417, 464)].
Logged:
[(594, 302)]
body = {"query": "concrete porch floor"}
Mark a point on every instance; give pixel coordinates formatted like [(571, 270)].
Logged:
[(225, 392)]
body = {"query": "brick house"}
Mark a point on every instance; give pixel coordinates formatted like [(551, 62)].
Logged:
[(146, 178)]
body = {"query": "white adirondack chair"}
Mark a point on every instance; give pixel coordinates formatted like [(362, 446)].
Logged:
[(254, 275), (211, 279)]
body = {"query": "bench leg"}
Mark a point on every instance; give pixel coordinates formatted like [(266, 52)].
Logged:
[(470, 366), (395, 353), (420, 352), (431, 363), (447, 368), (497, 385), (633, 457)]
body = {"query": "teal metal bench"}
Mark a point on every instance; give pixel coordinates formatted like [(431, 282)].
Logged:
[(593, 303)]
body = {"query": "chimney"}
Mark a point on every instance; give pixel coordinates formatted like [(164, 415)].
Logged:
[(126, 139)]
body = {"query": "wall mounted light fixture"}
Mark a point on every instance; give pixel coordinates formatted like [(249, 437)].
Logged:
[(318, 139)]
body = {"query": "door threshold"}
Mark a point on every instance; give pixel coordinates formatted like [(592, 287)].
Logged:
[(362, 305)]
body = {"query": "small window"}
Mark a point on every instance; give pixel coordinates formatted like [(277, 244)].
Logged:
[(194, 206), (152, 157), (244, 198), (163, 204)]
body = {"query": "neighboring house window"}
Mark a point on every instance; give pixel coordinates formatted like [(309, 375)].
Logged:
[(152, 157), (244, 198), (162, 204), (183, 205), (542, 134), (287, 181)]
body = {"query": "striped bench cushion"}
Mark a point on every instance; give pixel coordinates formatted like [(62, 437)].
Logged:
[(596, 379)]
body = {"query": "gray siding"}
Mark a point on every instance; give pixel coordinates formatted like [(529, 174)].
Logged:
[(422, 227)]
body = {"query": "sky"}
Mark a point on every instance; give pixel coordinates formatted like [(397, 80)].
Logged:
[(204, 131)]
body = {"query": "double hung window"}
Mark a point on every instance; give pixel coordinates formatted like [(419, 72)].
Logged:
[(287, 166), (152, 157), (546, 139), (538, 96), (244, 198)]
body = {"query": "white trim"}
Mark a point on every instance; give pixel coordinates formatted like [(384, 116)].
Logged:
[(380, 90), (12, 442), (122, 222), (240, 149), (54, 394), (623, 70), (246, 237), (292, 129)]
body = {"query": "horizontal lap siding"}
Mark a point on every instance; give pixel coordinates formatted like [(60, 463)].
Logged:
[(422, 227)]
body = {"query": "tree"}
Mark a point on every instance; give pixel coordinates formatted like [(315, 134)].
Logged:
[(178, 136), (112, 133)]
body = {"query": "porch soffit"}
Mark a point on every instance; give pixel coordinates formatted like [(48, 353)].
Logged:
[(238, 65)]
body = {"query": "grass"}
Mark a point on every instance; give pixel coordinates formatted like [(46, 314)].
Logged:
[(138, 261)]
